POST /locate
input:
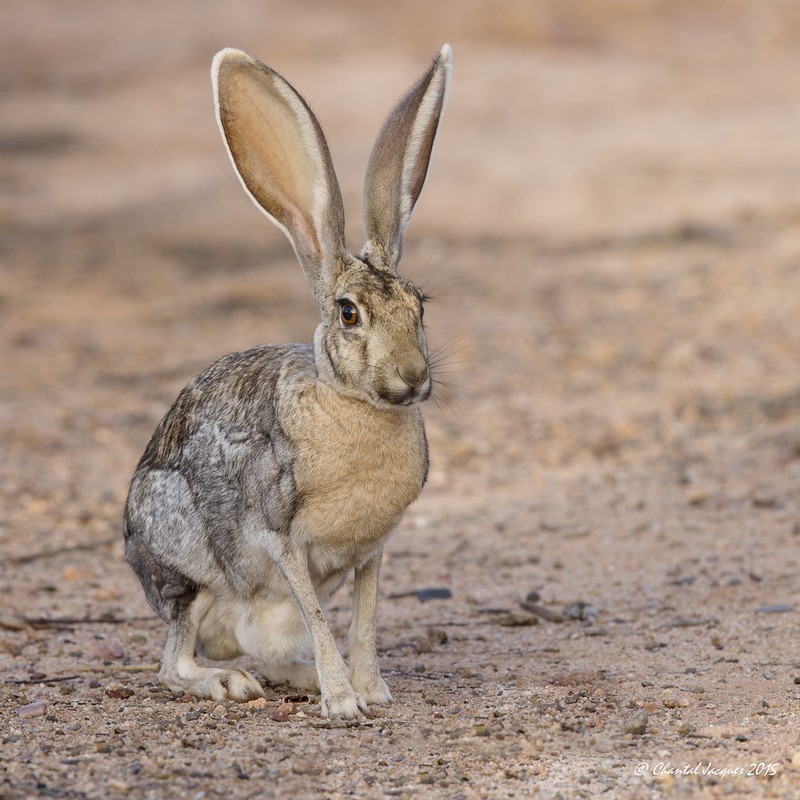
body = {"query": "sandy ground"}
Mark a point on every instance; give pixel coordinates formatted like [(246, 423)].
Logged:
[(611, 232)]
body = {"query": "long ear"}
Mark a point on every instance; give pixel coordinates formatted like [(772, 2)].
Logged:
[(282, 159), (399, 163)]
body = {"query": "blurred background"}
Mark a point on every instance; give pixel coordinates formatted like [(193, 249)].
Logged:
[(610, 229)]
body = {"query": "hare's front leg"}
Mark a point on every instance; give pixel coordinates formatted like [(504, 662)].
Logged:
[(338, 697), (179, 670), (365, 675)]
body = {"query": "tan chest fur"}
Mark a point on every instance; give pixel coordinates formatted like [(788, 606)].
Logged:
[(357, 467)]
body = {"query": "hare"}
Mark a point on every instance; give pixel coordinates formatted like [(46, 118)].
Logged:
[(279, 470)]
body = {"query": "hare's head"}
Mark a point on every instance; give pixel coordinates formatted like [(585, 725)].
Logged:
[(370, 343)]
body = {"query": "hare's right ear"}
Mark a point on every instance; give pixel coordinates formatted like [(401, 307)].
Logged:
[(282, 159), (399, 162)]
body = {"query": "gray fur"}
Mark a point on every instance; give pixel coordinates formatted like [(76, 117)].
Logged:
[(281, 469)]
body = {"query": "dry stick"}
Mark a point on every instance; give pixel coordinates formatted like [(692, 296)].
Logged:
[(60, 622), (105, 668), (121, 668), (27, 559), (24, 681)]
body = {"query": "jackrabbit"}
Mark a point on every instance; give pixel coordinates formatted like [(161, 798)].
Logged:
[(279, 470)]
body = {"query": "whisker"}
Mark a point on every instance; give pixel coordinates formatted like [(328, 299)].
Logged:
[(456, 392), (454, 289), (448, 346), (445, 360), (438, 403), (427, 273)]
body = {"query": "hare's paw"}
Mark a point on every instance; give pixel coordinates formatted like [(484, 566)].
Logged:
[(217, 684), (238, 685), (345, 704), (371, 686)]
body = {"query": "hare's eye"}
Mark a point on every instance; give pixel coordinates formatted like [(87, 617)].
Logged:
[(349, 314)]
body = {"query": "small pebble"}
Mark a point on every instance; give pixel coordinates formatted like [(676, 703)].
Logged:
[(595, 630), (697, 497), (259, 702), (543, 612), (636, 724), (423, 595), (437, 635), (671, 698), (120, 693), (279, 715), (34, 709), (512, 620), (111, 650), (579, 609), (777, 608), (765, 500)]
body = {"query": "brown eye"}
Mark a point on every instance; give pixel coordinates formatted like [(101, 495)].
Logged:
[(349, 314)]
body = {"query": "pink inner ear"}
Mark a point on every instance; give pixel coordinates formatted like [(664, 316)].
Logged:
[(278, 151), (304, 232)]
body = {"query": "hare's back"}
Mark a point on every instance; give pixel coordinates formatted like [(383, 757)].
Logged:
[(236, 399)]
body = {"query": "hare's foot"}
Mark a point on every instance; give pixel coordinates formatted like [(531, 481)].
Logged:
[(369, 684), (300, 674), (343, 703), (181, 672), (217, 684)]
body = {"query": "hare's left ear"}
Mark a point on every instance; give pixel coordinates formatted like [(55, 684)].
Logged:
[(399, 163)]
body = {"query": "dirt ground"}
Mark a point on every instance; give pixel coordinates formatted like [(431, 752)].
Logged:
[(611, 233)]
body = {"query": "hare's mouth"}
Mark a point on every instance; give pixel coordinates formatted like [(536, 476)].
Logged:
[(407, 396)]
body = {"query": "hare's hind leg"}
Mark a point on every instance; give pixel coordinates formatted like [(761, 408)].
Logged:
[(181, 672)]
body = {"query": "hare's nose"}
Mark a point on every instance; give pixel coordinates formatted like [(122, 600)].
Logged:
[(413, 371)]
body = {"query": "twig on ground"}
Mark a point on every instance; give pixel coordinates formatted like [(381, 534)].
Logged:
[(66, 622), (23, 681), (27, 559), (120, 668)]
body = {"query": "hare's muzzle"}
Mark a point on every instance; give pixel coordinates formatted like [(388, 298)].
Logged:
[(413, 371)]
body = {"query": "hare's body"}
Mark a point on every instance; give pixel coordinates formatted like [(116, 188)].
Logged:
[(281, 469), (268, 433)]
